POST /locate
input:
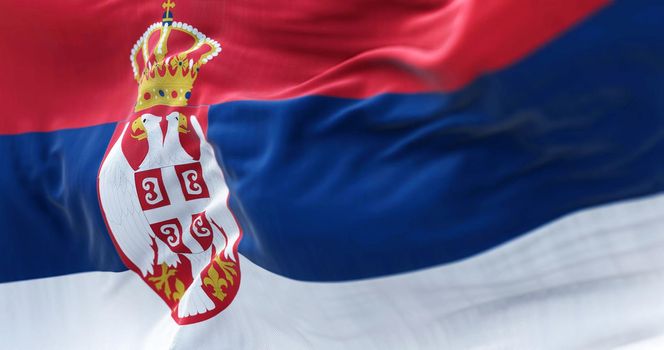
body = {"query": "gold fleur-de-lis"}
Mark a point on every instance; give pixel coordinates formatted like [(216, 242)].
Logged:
[(179, 290), (217, 282), (227, 267)]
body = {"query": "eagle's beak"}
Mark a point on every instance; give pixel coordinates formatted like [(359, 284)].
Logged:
[(138, 125), (182, 124)]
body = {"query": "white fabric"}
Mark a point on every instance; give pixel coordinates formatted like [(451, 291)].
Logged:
[(591, 280)]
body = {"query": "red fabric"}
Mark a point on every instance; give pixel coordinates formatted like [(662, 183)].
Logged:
[(66, 63)]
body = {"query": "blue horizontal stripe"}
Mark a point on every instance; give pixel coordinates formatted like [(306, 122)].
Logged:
[(50, 221), (336, 189)]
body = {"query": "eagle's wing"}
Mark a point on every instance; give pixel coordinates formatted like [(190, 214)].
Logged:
[(217, 210), (117, 192)]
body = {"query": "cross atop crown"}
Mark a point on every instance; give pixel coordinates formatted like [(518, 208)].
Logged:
[(168, 5)]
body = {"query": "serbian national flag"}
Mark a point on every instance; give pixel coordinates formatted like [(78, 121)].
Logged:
[(363, 174)]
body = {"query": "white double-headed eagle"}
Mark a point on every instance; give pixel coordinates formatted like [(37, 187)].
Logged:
[(130, 223)]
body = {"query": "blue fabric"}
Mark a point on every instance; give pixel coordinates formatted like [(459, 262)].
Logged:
[(50, 221), (336, 189)]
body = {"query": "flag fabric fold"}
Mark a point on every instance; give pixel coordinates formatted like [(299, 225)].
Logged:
[(407, 175)]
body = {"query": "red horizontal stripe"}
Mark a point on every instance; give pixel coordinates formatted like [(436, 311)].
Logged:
[(65, 64)]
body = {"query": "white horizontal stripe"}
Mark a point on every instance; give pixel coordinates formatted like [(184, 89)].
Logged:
[(592, 280)]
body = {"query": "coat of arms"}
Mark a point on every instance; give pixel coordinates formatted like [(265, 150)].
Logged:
[(161, 190)]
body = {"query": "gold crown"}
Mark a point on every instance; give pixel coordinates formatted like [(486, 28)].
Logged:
[(167, 78)]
